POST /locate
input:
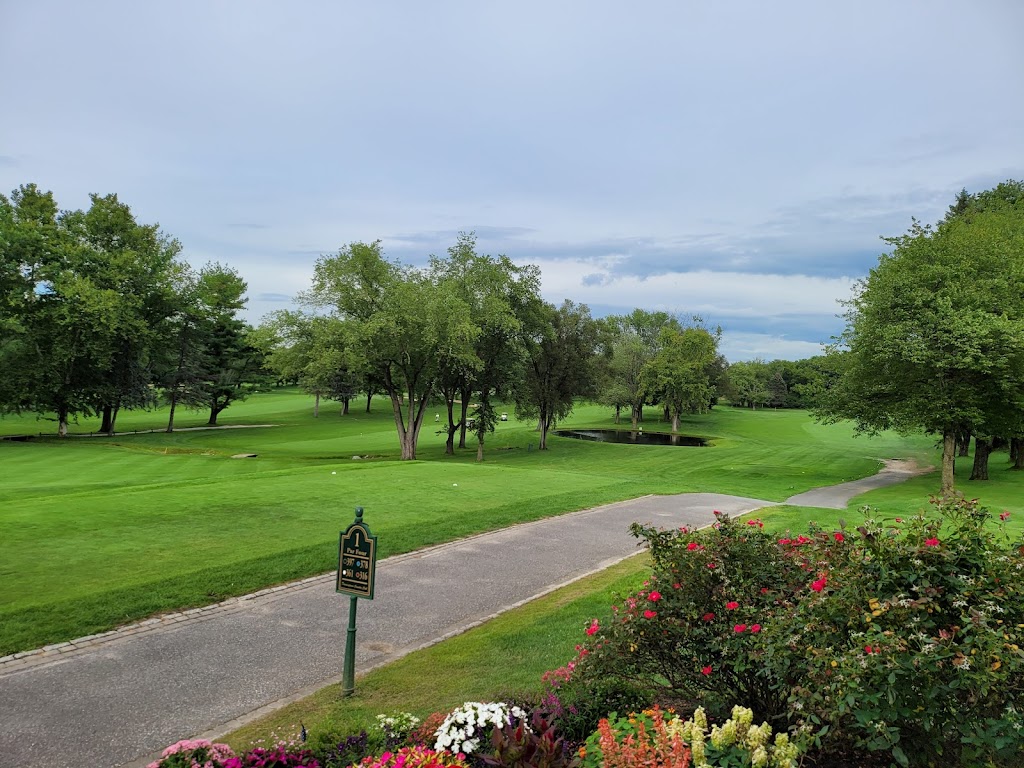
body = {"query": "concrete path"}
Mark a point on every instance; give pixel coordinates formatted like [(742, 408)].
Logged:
[(118, 698)]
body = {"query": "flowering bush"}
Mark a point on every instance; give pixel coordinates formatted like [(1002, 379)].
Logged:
[(901, 637), (414, 757), (914, 647), (464, 729), (194, 753), (693, 633)]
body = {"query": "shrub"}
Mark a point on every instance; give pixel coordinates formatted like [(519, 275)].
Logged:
[(912, 646), (536, 745), (691, 634), (344, 752), (275, 757), (901, 638)]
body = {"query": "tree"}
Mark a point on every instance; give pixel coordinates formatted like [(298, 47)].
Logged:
[(936, 334), (561, 345), (404, 326), (679, 373), (227, 356), (495, 290)]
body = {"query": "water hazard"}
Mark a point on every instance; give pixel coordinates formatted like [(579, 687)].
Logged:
[(633, 437)]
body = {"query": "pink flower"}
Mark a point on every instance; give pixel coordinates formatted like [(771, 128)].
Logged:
[(932, 542), (755, 628), (801, 539), (899, 519), (708, 616), (819, 585), (712, 566), (654, 596), (785, 541), (739, 628), (594, 628), (649, 614), (677, 585), (732, 605), (683, 529), (706, 670), (692, 546), (716, 512), (838, 536), (1004, 515)]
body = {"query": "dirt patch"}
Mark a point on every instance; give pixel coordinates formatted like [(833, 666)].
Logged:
[(906, 465)]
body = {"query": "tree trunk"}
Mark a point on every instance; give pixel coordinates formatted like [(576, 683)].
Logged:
[(214, 412), (113, 419), (344, 406), (675, 422), (466, 396), (1017, 452), (105, 424), (369, 397), (948, 461), (543, 445), (634, 417), (452, 428), (62, 421), (316, 405), (408, 447), (170, 418), (480, 447), (963, 441), (982, 450), (540, 425)]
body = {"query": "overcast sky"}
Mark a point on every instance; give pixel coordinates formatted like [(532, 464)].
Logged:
[(738, 160)]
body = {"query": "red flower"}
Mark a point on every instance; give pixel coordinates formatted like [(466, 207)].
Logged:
[(1004, 515), (649, 614), (593, 628), (683, 529), (838, 536), (654, 596), (867, 649), (932, 542), (716, 513), (708, 616), (899, 519), (732, 605), (677, 585), (712, 565), (692, 546), (706, 670), (764, 590), (819, 585), (739, 628), (755, 628), (801, 539), (785, 541)]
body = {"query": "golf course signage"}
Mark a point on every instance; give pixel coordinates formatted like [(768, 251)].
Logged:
[(357, 559), (357, 564)]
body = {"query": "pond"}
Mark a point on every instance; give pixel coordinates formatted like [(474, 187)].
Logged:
[(637, 437)]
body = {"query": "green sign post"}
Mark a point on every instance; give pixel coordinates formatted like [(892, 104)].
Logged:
[(357, 565)]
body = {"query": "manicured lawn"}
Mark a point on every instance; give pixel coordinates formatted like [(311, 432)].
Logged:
[(99, 531)]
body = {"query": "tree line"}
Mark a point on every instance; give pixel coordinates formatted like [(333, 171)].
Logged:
[(934, 336), (99, 313)]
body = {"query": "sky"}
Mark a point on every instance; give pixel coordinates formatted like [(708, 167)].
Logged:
[(737, 160)]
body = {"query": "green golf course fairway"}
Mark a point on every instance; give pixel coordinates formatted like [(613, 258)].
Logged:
[(99, 531)]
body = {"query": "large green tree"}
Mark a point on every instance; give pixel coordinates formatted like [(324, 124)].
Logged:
[(680, 373), (935, 334), (561, 345), (405, 325)]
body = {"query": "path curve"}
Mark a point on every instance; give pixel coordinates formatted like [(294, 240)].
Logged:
[(118, 698)]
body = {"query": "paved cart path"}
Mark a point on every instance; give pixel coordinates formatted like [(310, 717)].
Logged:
[(118, 698)]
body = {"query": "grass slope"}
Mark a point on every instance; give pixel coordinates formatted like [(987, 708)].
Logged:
[(99, 531)]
